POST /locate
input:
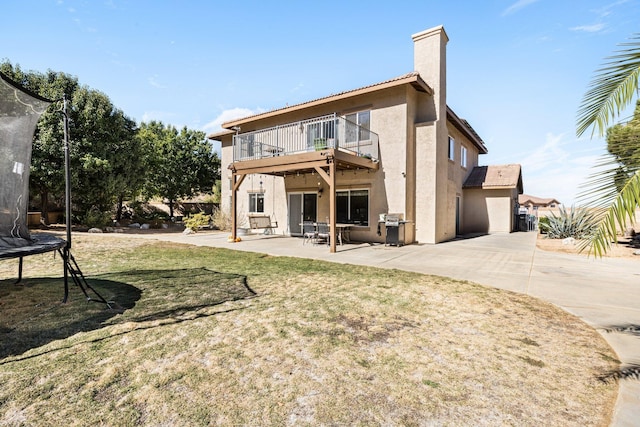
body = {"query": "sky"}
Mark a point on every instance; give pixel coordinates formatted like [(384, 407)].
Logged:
[(516, 69)]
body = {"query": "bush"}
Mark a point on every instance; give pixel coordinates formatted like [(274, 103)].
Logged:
[(222, 220), (144, 212), (543, 224), (97, 219), (578, 223), (196, 221)]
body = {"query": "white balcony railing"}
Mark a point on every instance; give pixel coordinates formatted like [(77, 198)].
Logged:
[(331, 131)]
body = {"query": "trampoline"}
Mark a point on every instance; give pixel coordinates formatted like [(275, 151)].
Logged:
[(20, 110)]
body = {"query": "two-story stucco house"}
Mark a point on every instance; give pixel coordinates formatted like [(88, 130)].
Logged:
[(391, 147)]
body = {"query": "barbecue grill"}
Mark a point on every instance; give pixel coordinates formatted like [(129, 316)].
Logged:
[(394, 227)]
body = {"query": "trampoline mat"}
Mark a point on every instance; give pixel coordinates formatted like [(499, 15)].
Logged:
[(11, 247)]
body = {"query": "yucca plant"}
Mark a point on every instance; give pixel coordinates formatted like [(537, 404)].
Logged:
[(578, 223)]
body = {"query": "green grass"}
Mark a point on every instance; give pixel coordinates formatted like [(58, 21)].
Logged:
[(204, 336)]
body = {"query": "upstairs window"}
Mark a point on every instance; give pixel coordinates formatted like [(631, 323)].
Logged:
[(357, 126), (463, 156), (452, 147)]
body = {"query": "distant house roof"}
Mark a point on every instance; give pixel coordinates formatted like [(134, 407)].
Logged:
[(525, 199), (495, 177), (413, 78)]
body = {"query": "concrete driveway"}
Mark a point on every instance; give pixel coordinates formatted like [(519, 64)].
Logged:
[(601, 292)]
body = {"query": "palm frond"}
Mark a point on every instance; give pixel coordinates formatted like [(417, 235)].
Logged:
[(614, 215), (612, 89)]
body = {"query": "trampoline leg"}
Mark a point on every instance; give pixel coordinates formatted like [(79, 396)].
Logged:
[(65, 261), (19, 271), (72, 269)]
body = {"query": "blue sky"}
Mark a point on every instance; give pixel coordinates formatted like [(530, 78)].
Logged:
[(517, 70)]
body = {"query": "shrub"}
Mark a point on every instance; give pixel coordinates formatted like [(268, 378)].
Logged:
[(543, 224), (578, 223), (196, 221), (222, 220), (94, 218)]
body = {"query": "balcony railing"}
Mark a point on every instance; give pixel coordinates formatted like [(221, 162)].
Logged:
[(315, 134)]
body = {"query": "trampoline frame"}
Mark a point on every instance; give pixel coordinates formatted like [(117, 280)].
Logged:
[(52, 243)]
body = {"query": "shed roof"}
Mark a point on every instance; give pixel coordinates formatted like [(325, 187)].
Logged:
[(495, 177)]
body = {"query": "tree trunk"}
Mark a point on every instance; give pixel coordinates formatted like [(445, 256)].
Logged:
[(44, 206), (119, 208), (171, 209)]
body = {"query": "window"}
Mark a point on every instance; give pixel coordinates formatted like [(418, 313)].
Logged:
[(357, 126), (352, 207), (256, 202), (463, 156), (452, 146)]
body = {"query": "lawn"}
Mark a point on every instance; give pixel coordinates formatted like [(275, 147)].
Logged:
[(205, 336)]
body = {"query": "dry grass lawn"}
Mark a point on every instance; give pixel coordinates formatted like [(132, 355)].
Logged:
[(205, 336)]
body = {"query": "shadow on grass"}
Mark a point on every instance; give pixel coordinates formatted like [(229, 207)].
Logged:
[(32, 314), (626, 371)]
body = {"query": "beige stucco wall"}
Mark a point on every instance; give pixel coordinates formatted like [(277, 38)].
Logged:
[(387, 186), (489, 211), (415, 176)]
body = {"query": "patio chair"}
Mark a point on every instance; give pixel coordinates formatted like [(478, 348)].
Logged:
[(308, 232), (322, 233)]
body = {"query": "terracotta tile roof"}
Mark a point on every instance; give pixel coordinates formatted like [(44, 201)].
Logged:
[(525, 199), (412, 77), (495, 177)]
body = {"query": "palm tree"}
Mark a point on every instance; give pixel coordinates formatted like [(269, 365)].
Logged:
[(610, 92)]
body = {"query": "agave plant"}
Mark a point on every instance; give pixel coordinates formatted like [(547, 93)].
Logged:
[(578, 223)]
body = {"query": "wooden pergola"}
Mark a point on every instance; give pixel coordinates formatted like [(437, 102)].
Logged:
[(325, 162)]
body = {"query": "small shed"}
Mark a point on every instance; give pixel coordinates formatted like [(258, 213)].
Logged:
[(491, 199)]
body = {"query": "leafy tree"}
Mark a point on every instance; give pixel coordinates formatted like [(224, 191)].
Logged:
[(105, 157), (623, 141), (181, 164), (613, 194), (47, 161), (106, 162)]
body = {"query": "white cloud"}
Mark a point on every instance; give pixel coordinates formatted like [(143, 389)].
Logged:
[(560, 167), (153, 81), (228, 115), (517, 6), (606, 10), (593, 28)]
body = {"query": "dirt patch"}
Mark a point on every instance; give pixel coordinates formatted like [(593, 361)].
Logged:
[(621, 250)]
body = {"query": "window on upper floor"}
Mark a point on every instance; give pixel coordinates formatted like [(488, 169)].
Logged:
[(256, 202), (463, 156), (357, 126), (452, 147)]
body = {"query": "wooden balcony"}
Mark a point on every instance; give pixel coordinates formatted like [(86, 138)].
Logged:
[(305, 145)]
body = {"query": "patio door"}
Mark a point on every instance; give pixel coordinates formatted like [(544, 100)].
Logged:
[(302, 207)]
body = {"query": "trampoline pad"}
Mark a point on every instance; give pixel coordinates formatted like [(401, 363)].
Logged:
[(12, 247)]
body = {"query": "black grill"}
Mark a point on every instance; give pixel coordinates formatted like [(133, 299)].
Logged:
[(394, 227)]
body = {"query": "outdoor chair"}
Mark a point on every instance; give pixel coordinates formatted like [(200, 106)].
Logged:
[(308, 232), (322, 233)]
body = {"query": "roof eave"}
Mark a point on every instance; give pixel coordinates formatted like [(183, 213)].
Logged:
[(221, 134), (467, 130), (412, 79)]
